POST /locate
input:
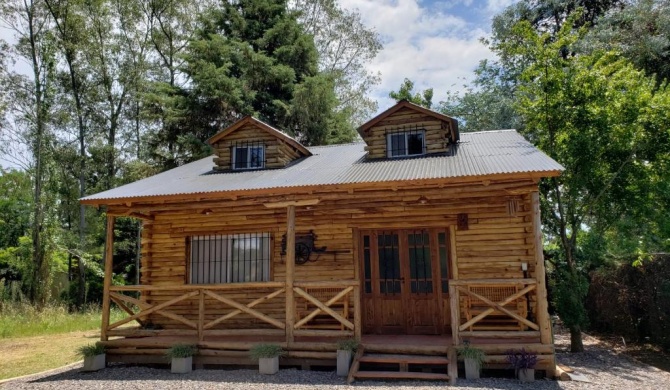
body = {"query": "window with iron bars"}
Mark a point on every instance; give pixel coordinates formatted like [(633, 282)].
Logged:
[(233, 258), (248, 155), (406, 143)]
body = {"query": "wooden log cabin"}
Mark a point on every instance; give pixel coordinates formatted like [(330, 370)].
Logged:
[(413, 241)]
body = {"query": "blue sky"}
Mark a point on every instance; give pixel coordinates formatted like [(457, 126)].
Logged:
[(434, 43)]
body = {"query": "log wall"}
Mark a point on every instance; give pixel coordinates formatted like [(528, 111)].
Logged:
[(437, 132), (498, 238)]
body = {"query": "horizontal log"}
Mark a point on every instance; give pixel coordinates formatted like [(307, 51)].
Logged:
[(493, 282)]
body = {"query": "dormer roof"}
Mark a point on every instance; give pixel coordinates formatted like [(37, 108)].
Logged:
[(362, 130), (261, 125)]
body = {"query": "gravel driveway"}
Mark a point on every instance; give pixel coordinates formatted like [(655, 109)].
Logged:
[(602, 367)]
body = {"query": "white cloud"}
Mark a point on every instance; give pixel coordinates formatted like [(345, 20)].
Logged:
[(496, 6), (429, 45)]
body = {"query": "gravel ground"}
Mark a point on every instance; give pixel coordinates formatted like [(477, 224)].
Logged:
[(604, 368)]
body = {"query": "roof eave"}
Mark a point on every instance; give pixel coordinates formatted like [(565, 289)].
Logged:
[(533, 175)]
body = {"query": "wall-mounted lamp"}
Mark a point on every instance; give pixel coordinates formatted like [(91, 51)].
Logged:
[(524, 266), (422, 200), (206, 212)]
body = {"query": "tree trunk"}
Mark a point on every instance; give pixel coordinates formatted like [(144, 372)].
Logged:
[(576, 344)]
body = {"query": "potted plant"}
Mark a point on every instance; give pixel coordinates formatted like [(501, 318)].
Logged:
[(181, 356), (473, 359), (94, 357), (345, 351), (523, 363), (267, 356)]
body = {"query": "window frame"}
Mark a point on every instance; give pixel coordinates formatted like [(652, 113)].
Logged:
[(249, 149), (226, 264), (406, 134)]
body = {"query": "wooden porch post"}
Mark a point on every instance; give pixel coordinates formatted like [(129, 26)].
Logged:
[(290, 274), (454, 309), (454, 300), (107, 283), (542, 306)]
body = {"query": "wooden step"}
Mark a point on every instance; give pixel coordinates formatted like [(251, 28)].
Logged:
[(400, 375), (407, 359)]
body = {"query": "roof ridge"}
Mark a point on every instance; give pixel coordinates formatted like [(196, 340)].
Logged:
[(491, 131), (336, 145)]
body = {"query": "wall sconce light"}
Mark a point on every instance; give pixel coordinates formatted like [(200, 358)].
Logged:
[(206, 212), (422, 200), (524, 266)]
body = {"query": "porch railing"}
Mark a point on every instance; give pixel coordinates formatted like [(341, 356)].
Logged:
[(321, 309), (493, 308)]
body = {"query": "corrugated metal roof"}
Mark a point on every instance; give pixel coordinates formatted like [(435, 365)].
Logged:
[(477, 154)]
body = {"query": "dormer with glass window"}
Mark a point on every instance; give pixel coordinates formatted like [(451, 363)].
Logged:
[(251, 144), (408, 130)]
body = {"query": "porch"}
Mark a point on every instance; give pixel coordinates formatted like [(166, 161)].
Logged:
[(226, 321), (307, 318)]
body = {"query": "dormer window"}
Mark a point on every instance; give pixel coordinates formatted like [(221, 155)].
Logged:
[(249, 156), (406, 143)]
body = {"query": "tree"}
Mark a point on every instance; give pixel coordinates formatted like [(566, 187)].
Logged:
[(605, 122), (640, 31), (405, 91), (30, 109), (344, 45), (486, 104), (249, 58)]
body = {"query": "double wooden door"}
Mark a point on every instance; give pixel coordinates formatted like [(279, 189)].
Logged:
[(402, 276)]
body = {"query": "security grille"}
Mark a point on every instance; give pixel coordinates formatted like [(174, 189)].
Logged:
[(231, 258)]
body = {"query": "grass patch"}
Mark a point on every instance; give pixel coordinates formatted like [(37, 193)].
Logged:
[(34, 340), (30, 355), (23, 320)]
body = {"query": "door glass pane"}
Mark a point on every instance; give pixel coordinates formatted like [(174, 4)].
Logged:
[(421, 274), (389, 263)]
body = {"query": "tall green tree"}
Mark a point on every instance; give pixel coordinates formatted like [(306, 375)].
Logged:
[(30, 109), (640, 31), (345, 45), (406, 92), (606, 122), (249, 58)]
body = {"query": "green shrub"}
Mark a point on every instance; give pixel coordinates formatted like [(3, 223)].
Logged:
[(348, 345), (467, 351), (91, 350), (266, 351), (181, 351)]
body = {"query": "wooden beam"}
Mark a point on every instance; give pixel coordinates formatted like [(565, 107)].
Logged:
[(358, 319), (158, 308), (340, 295), (323, 307), (542, 305), (294, 203), (497, 306), (290, 273), (488, 311), (201, 315), (249, 305), (107, 283), (455, 311), (468, 282), (246, 309)]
